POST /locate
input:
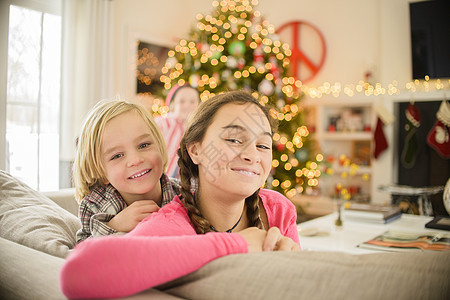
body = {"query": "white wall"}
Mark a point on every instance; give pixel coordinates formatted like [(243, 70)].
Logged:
[(349, 28), (162, 22)]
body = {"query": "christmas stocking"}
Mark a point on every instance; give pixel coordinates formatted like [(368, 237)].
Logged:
[(384, 117), (411, 147), (379, 138), (438, 137)]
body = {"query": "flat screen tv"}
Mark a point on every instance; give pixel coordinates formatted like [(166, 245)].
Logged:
[(430, 38)]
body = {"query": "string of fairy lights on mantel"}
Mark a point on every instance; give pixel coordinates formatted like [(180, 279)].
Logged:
[(363, 88)]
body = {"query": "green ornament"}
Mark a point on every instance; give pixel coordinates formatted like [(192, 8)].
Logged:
[(237, 48), (302, 154)]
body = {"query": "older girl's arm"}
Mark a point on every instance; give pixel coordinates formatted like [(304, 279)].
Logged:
[(118, 266)]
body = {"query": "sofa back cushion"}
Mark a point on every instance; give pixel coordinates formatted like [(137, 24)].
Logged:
[(318, 275), (29, 218)]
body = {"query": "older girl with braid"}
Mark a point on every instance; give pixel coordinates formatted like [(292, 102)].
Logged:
[(226, 153)]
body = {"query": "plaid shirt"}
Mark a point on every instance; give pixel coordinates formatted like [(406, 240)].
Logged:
[(105, 202)]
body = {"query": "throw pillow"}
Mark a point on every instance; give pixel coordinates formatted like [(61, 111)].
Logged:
[(29, 218)]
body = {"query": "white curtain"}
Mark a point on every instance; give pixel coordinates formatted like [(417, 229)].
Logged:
[(86, 64)]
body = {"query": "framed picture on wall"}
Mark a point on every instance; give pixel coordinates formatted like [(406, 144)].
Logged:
[(146, 55), (149, 61)]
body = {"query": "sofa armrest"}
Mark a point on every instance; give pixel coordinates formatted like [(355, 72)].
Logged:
[(26, 273)]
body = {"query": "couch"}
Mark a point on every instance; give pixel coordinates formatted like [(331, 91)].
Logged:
[(37, 232)]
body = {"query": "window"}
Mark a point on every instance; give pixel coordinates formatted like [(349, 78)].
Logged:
[(33, 97)]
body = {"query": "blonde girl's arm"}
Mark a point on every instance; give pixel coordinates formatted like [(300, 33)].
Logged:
[(84, 214), (94, 223)]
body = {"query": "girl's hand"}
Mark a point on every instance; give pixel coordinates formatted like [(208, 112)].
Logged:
[(255, 238), (259, 240), (275, 241), (128, 218)]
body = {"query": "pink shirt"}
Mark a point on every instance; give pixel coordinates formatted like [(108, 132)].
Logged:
[(163, 247)]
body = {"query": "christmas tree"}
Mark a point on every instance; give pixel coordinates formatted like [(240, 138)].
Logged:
[(236, 48)]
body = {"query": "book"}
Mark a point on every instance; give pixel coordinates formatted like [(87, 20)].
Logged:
[(406, 241), (371, 213)]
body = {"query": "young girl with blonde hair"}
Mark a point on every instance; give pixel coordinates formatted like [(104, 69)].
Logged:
[(119, 169)]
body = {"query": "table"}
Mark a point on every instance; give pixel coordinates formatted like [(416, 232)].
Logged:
[(352, 233)]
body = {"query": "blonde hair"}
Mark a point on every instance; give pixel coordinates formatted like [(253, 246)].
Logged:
[(87, 168), (196, 129)]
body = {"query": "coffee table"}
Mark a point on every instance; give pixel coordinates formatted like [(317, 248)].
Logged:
[(322, 235)]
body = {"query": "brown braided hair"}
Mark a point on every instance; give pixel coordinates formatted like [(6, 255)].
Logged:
[(195, 132)]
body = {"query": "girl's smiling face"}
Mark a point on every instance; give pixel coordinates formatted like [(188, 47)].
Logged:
[(131, 158), (235, 155)]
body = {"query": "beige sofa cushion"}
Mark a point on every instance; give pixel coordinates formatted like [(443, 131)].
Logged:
[(26, 273), (64, 198), (29, 218), (318, 275)]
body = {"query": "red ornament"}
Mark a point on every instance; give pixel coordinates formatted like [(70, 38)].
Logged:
[(241, 63), (258, 56), (280, 147), (330, 158), (274, 69)]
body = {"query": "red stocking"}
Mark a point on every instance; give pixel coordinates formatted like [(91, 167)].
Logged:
[(438, 137), (380, 139)]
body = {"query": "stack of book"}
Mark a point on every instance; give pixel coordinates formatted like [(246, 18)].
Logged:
[(407, 241), (371, 213)]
